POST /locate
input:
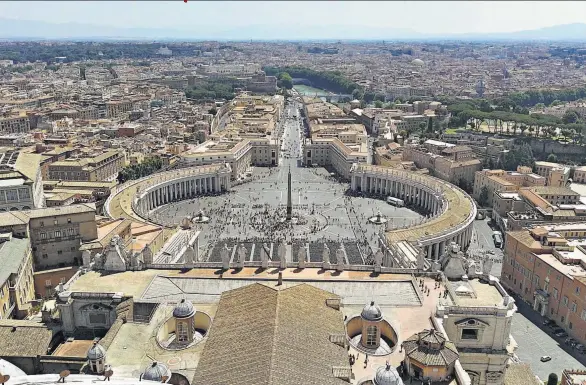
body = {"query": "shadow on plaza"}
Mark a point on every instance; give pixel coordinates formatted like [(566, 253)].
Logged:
[(536, 319)]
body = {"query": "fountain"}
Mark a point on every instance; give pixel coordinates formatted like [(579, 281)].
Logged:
[(200, 218), (378, 219)]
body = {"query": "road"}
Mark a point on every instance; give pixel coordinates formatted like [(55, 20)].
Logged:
[(482, 246), (534, 341)]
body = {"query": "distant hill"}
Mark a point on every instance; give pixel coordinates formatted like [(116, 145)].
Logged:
[(11, 29)]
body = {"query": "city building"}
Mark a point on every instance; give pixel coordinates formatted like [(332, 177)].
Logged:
[(556, 174), (17, 288), (21, 186), (93, 168), (493, 181)]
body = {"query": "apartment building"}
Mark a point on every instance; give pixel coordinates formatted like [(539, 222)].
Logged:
[(556, 174), (55, 233), (579, 174), (16, 276), (115, 108), (103, 167), (19, 123), (21, 183), (573, 377), (335, 154), (504, 181), (455, 164), (546, 267)]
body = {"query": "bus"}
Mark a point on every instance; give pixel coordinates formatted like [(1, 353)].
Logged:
[(395, 202), (497, 237)]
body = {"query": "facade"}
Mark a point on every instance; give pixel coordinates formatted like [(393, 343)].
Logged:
[(333, 153), (21, 183), (15, 124), (546, 267), (504, 181), (455, 164), (17, 288), (556, 174), (103, 167), (55, 233)]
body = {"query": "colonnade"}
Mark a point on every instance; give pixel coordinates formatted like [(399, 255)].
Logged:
[(424, 192), (419, 195), (180, 189)]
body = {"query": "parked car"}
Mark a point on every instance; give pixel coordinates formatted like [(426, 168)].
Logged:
[(561, 334), (552, 325), (545, 358), (570, 341), (581, 348), (547, 322)]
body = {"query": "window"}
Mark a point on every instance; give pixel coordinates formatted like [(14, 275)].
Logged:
[(72, 248), (59, 252), (58, 234), (574, 306), (56, 222), (48, 283), (570, 325), (43, 236), (45, 256), (469, 334), (578, 290), (565, 300), (182, 332), (42, 224), (555, 293), (68, 220), (583, 315), (371, 333)]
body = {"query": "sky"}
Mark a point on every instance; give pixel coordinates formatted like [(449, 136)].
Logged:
[(425, 17)]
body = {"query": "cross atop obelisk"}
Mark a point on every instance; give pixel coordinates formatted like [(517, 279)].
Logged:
[(289, 204)]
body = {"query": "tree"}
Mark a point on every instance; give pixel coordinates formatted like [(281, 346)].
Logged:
[(552, 379), (285, 81), (213, 111), (570, 117), (483, 198), (378, 104), (552, 158)]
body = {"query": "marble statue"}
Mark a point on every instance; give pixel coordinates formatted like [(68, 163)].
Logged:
[(282, 252), (340, 259), (225, 256), (301, 257), (264, 256), (326, 257), (378, 261), (241, 256)]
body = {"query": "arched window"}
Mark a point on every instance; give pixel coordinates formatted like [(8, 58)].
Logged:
[(182, 334), (371, 332)]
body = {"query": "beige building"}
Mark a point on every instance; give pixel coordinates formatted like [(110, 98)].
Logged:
[(17, 288), (56, 234), (21, 183), (580, 174), (556, 174), (15, 123), (103, 167), (504, 181), (455, 164)]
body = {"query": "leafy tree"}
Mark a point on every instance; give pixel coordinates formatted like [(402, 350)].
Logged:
[(552, 158), (213, 111), (570, 117), (285, 81), (552, 379), (136, 171), (357, 94), (483, 198), (378, 104)]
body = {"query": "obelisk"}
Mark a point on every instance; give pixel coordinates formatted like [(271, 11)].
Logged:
[(289, 204)]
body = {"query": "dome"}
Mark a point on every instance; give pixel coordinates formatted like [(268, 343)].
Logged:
[(156, 372), (418, 62), (96, 352), (387, 375), (184, 309), (372, 312)]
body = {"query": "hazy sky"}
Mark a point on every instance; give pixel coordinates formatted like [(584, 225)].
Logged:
[(425, 17)]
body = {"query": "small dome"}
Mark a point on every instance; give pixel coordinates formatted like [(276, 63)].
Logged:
[(156, 372), (96, 352), (417, 62), (184, 309), (387, 375), (372, 312)]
